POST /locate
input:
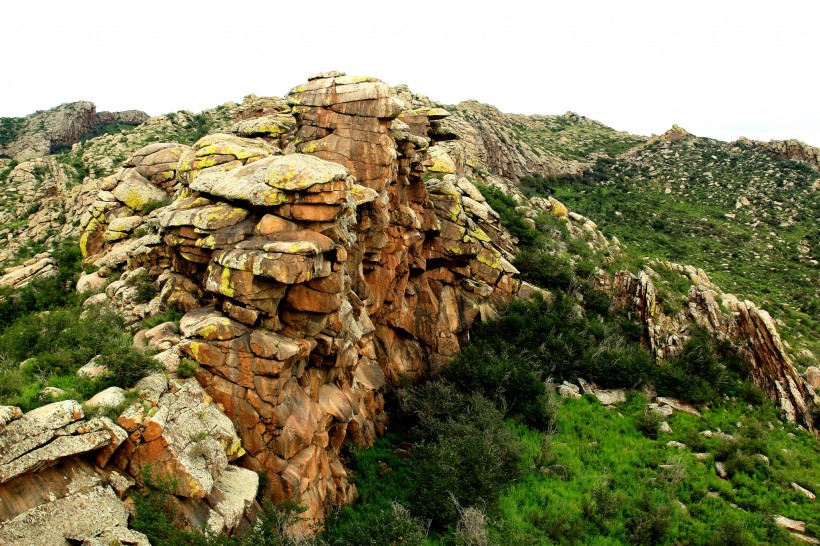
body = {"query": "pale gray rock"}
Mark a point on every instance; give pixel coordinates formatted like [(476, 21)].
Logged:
[(35, 428), (76, 517), (108, 398), (568, 390), (610, 397), (233, 495), (803, 491)]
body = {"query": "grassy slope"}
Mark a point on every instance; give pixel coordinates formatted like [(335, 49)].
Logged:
[(594, 475), (669, 200)]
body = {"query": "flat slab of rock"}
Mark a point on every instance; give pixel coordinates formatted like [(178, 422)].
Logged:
[(77, 517), (35, 428), (610, 397), (118, 535), (63, 479), (677, 405)]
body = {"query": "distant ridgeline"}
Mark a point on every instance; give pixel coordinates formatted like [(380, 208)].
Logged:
[(55, 130)]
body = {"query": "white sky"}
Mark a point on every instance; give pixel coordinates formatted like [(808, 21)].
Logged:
[(717, 68)]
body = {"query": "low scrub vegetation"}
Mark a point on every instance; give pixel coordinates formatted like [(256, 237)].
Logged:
[(46, 335)]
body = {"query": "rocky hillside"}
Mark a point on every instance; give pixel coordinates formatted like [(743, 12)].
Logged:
[(49, 131), (744, 211), (283, 267)]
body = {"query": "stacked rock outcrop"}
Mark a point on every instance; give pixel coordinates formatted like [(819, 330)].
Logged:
[(317, 266), (788, 149)]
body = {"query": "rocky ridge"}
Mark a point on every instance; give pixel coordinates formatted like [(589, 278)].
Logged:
[(493, 146), (738, 210), (37, 135), (748, 327)]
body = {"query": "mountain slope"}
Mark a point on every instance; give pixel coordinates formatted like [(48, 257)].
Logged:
[(746, 216)]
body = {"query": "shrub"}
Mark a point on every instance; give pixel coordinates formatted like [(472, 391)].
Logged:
[(390, 525), (544, 269), (649, 521), (602, 504), (470, 461), (154, 205), (649, 423), (144, 289), (187, 367), (705, 371), (126, 363), (471, 529)]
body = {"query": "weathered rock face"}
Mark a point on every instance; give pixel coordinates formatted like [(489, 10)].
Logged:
[(179, 433), (40, 267), (314, 275), (48, 492), (479, 137), (60, 471), (39, 133)]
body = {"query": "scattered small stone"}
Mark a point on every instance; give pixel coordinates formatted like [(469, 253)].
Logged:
[(673, 443), (803, 491), (790, 524), (762, 458), (720, 468)]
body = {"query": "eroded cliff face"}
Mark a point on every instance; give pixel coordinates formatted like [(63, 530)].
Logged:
[(318, 262)]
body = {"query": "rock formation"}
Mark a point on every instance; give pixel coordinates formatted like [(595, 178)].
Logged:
[(39, 134), (322, 247), (316, 265), (62, 477), (742, 323), (789, 149)]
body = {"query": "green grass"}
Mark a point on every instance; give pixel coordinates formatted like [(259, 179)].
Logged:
[(46, 336)]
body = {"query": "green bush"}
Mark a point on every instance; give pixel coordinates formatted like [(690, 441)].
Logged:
[(187, 367), (126, 364), (469, 459), (704, 372), (144, 289), (649, 422), (388, 525), (543, 269), (649, 521)]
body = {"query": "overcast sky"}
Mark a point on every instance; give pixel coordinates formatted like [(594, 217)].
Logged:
[(717, 68)]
